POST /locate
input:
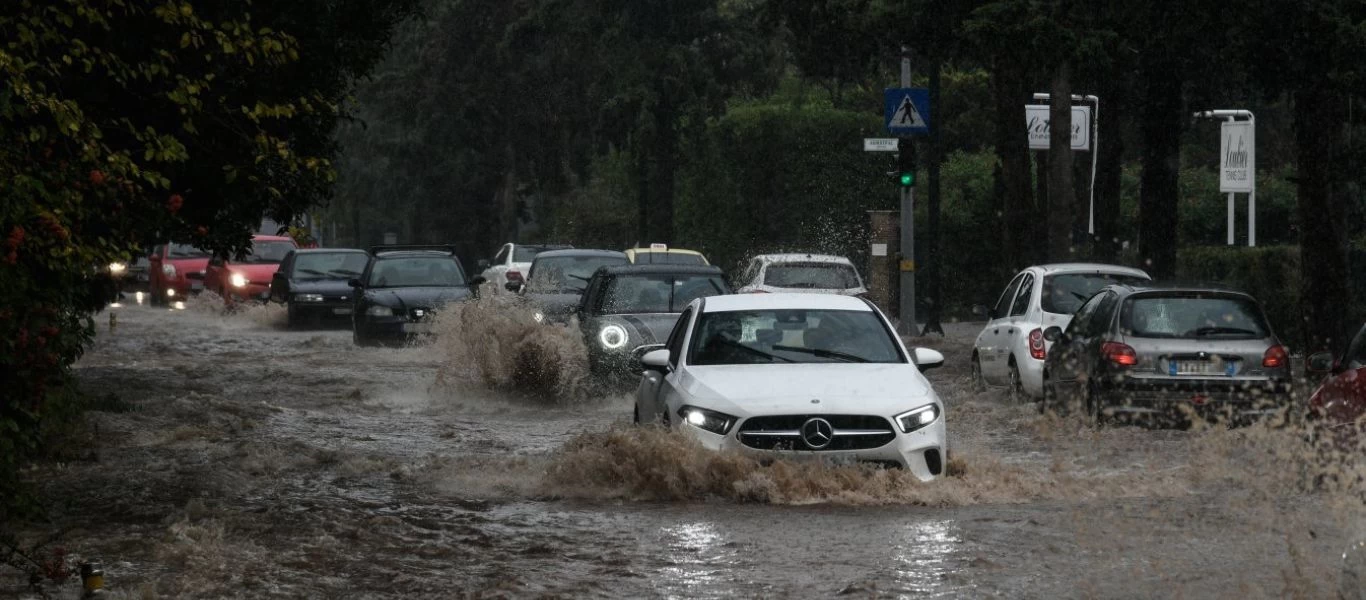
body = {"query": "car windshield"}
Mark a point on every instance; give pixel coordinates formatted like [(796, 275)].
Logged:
[(267, 252), (820, 276), (657, 293), (791, 336), (525, 254), (185, 251), (329, 265), (1190, 316), (566, 274), (668, 258), (1063, 294), (426, 271)]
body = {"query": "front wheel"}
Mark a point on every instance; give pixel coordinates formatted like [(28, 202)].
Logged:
[(979, 383)]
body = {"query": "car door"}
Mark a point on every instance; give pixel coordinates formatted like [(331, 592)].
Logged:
[(654, 385), (1014, 342), (1072, 368), (496, 274), (990, 341), (279, 282), (670, 387)]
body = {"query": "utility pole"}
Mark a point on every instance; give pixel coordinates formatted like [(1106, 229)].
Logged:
[(907, 267), (934, 274)]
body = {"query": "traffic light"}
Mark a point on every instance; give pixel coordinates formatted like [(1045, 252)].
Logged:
[(905, 163)]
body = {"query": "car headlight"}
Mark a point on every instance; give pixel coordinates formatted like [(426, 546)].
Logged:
[(539, 317), (710, 420), (379, 311), (915, 419), (308, 297), (238, 280), (612, 337), (168, 270), (117, 268)]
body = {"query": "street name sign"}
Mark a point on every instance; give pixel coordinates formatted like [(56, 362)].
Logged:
[(880, 144)]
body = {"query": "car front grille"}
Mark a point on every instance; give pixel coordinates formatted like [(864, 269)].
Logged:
[(784, 432)]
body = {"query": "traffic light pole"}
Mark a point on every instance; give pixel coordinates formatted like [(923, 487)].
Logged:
[(907, 264)]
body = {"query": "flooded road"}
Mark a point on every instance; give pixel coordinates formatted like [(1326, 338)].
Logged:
[(240, 459)]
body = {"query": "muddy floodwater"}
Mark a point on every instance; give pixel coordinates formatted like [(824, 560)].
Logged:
[(246, 460)]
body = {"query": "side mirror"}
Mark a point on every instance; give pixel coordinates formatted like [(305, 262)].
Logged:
[(478, 280), (353, 282), (1053, 334), (980, 310), (483, 264), (1320, 363), (656, 360), (927, 359)]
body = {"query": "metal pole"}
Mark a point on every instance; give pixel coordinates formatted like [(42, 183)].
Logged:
[(1230, 209), (1252, 195), (1095, 154), (907, 264)]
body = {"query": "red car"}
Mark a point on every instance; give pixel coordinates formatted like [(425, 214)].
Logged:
[(249, 278), (175, 271), (1340, 402)]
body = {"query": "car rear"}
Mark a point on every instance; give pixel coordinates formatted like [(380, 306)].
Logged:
[(811, 275), (1193, 353)]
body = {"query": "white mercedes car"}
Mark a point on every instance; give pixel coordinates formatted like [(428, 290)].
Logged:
[(797, 375)]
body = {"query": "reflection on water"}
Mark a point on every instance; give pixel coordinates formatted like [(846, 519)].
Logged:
[(698, 556), (923, 550)]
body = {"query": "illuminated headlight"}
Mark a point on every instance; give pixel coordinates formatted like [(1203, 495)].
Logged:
[(539, 316), (709, 420), (117, 268), (918, 418), (612, 337), (238, 280), (168, 270), (308, 297), (379, 311), (170, 292)]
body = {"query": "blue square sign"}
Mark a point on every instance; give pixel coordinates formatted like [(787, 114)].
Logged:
[(907, 110)]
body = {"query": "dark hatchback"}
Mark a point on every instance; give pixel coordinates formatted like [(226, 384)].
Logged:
[(557, 279), (314, 284), (626, 308), (400, 289), (1172, 353)]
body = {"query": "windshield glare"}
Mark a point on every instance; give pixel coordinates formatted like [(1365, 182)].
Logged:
[(1064, 294), (435, 271), (664, 293), (1192, 317), (330, 265), (823, 276), (566, 273), (267, 252), (791, 336), (185, 251)]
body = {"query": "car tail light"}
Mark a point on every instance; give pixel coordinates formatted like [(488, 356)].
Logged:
[(1036, 348), (1275, 357), (1119, 354), (515, 276)]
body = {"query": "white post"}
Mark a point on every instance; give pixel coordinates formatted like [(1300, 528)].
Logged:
[(1252, 195), (1230, 218), (1095, 154)]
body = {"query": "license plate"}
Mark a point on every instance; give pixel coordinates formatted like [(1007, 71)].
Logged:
[(341, 311), (197, 285), (1192, 367), (417, 328)]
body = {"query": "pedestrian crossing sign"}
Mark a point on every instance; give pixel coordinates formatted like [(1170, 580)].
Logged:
[(907, 110)]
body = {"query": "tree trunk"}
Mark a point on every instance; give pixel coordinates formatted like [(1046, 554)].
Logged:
[(1161, 120), (1320, 148), (935, 157), (1062, 196), (663, 168), (1109, 174), (1012, 148)]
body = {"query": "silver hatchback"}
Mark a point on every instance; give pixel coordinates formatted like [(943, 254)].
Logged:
[(1186, 352)]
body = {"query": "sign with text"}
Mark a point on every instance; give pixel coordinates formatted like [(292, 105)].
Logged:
[(1237, 158), (1036, 117), (880, 144)]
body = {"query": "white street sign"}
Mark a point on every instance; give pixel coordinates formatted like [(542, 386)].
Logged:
[(1237, 156), (879, 144), (1036, 117)]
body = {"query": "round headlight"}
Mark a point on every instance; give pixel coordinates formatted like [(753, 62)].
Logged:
[(612, 337), (168, 270), (238, 280)]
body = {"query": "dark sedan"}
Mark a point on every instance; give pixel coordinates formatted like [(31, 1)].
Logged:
[(557, 278), (1171, 353), (314, 283), (626, 308), (400, 289)]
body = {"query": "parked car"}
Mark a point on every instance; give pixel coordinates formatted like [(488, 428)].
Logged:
[(1338, 406), (511, 264), (1011, 348), (628, 307), (247, 279), (1169, 352), (175, 271), (557, 278), (798, 375), (400, 289), (314, 284), (800, 273), (662, 254)]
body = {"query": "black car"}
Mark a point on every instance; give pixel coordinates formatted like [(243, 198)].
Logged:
[(401, 287), (1170, 353), (628, 307), (557, 278), (315, 283)]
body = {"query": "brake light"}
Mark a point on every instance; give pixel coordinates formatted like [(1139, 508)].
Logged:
[(1036, 348), (514, 276), (1275, 357), (1119, 354)]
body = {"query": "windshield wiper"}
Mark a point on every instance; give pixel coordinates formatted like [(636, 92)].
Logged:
[(310, 271), (1202, 331), (823, 353), (754, 351)]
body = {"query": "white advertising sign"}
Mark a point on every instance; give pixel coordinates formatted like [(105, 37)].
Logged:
[(1237, 158), (1036, 116)]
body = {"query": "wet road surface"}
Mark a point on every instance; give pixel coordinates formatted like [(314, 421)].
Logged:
[(245, 460)]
